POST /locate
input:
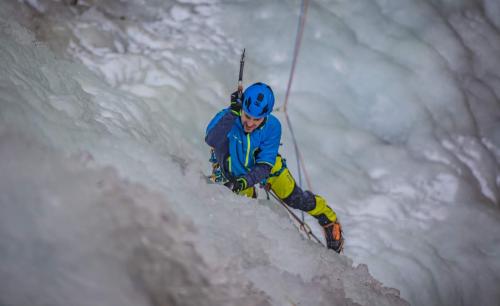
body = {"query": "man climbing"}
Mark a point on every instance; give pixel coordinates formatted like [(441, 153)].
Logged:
[(245, 139)]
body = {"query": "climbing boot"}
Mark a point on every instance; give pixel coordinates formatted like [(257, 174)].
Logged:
[(333, 236)]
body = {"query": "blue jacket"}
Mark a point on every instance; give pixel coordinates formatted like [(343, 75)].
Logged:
[(248, 155)]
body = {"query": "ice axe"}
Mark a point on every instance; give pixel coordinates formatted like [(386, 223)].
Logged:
[(240, 78)]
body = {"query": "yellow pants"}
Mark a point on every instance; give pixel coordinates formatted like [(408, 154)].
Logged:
[(284, 186)]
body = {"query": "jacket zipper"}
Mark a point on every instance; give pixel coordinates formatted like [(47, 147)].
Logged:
[(248, 150)]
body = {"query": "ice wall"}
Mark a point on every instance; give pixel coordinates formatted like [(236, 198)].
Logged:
[(75, 234), (72, 232), (395, 105)]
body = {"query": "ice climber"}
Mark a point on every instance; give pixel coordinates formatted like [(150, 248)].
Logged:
[(245, 139)]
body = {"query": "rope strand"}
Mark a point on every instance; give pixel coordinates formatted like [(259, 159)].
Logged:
[(302, 225), (298, 42)]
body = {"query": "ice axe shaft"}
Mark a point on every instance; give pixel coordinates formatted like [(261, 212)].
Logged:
[(240, 78)]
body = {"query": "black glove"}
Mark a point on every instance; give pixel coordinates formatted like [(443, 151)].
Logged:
[(237, 184), (236, 103)]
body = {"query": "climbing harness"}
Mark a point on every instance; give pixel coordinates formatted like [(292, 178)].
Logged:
[(283, 167)]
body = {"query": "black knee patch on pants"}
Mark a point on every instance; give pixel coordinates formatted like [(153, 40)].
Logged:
[(303, 200), (323, 220)]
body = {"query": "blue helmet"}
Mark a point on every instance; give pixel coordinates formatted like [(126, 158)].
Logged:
[(258, 100)]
